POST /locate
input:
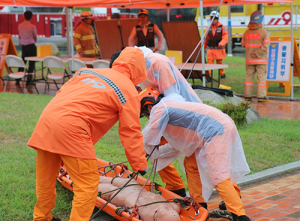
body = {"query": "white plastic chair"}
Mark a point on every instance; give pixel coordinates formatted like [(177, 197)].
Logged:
[(78, 64), (101, 64), (13, 61), (55, 62)]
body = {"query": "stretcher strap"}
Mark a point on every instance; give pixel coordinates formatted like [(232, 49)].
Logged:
[(135, 213), (221, 214)]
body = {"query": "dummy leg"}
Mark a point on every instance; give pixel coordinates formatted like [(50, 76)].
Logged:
[(85, 177), (231, 197), (47, 168), (249, 83)]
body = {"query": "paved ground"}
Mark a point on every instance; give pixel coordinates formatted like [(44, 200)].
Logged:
[(275, 199)]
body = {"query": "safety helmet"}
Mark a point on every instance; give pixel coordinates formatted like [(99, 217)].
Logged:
[(256, 17), (143, 12), (149, 97), (214, 13), (85, 14)]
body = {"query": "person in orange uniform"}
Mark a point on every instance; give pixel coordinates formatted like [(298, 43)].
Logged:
[(82, 111), (163, 76), (145, 33), (209, 140), (84, 38), (256, 40), (215, 43)]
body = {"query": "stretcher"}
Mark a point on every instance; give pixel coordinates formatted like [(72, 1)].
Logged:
[(187, 213)]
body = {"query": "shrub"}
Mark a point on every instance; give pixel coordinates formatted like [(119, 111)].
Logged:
[(236, 112)]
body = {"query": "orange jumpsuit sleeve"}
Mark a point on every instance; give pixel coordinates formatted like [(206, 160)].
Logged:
[(224, 36), (243, 41), (130, 133)]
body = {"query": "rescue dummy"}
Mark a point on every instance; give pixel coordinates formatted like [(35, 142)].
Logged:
[(209, 140), (215, 43), (82, 111), (144, 33), (84, 38), (256, 41), (128, 197)]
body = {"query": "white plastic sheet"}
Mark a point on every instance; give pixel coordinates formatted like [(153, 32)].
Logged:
[(195, 127)]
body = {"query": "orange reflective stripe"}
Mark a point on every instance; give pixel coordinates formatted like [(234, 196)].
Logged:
[(257, 61), (249, 84), (259, 84), (267, 40)]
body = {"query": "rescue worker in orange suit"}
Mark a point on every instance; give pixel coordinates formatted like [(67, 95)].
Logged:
[(215, 43), (84, 38), (256, 40), (163, 76), (209, 140), (145, 32), (82, 111)]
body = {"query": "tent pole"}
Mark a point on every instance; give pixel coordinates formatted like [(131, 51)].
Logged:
[(292, 55), (229, 45), (68, 32), (72, 43), (202, 48), (168, 14)]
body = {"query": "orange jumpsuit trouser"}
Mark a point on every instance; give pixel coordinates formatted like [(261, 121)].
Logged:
[(229, 192), (219, 61), (85, 177), (169, 174)]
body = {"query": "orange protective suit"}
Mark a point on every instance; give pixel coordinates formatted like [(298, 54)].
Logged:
[(229, 192), (82, 111), (216, 53), (169, 174), (208, 134)]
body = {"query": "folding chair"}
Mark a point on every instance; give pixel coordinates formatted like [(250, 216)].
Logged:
[(101, 64), (54, 62), (78, 64), (13, 61)]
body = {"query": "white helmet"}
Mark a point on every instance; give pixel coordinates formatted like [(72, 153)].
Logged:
[(214, 13)]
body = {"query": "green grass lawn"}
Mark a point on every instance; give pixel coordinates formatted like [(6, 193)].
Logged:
[(267, 144)]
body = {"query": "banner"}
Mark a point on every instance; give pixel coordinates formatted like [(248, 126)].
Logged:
[(279, 61)]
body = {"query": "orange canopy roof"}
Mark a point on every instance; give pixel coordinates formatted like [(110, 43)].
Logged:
[(131, 3)]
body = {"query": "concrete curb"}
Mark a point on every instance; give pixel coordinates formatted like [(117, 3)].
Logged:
[(269, 173)]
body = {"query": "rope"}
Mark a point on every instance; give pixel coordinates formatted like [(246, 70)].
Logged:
[(221, 214)]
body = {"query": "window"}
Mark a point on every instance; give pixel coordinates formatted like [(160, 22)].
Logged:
[(237, 8)]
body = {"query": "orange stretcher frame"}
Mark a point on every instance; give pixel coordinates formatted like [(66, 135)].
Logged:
[(185, 214)]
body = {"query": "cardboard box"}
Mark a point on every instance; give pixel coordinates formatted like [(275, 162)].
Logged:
[(176, 54), (43, 50)]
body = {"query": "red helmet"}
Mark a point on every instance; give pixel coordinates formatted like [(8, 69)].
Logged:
[(149, 97)]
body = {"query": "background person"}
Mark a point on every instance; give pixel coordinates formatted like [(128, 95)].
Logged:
[(209, 140), (256, 41), (215, 43), (27, 38), (84, 38), (145, 32), (82, 111)]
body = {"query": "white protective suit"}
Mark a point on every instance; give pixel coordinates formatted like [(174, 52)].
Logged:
[(195, 127), (164, 77)]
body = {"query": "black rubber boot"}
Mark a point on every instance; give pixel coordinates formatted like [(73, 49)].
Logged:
[(240, 218), (204, 205), (222, 206), (55, 219), (29, 79), (180, 192)]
